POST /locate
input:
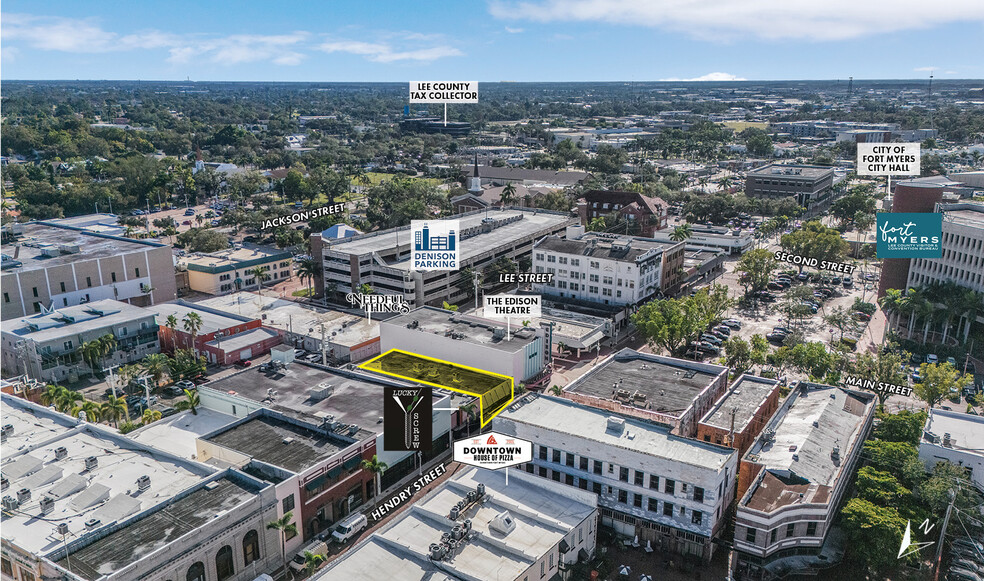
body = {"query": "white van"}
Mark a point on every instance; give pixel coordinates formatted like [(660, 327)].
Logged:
[(314, 547), (349, 527), (263, 577)]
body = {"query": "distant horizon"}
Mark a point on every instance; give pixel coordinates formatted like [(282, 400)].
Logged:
[(404, 82)]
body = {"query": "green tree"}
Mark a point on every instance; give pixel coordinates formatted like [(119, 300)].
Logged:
[(309, 269), (760, 349), (904, 426), (872, 532), (885, 367), (312, 561), (376, 467), (203, 240), (666, 324), (114, 409), (880, 487), (448, 306), (51, 394), (947, 478), (156, 366), (738, 355), (68, 401), (899, 459), (939, 381), (681, 233), (839, 318), (508, 195), (286, 528), (192, 323), (859, 200), (260, 273), (756, 268), (191, 402), (812, 358), (151, 416), (814, 240)]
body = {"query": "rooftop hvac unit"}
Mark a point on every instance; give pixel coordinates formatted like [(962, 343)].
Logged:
[(503, 523), (92, 524), (10, 503), (615, 424), (622, 393), (62, 528), (321, 391), (61, 452), (7, 430), (457, 532), (498, 333), (947, 440), (288, 440), (480, 489), (91, 462), (69, 248), (467, 525), (143, 483), (352, 429), (47, 504), (23, 495), (437, 551), (454, 513), (4, 483)]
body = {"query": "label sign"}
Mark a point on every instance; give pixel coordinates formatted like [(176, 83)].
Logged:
[(909, 235), (888, 159), (407, 419), (435, 245), (493, 450), (505, 306), (379, 303), (443, 92), (872, 385)]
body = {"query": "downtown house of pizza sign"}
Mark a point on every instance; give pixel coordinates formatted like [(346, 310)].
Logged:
[(493, 450)]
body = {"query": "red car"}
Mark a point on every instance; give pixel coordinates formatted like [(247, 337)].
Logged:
[(186, 223), (244, 363)]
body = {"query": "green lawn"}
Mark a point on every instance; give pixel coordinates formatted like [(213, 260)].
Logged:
[(377, 178)]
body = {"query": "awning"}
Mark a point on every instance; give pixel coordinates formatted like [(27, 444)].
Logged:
[(582, 556), (335, 472), (564, 547), (316, 483), (352, 462)]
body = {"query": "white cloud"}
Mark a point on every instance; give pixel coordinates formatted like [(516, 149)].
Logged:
[(385, 53), (709, 77), (79, 36), (950, 73), (512, 30), (924, 69), (762, 19)]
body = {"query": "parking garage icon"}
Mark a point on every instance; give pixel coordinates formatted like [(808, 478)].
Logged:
[(435, 245)]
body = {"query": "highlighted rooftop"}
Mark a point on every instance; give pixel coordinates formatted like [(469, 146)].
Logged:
[(494, 391)]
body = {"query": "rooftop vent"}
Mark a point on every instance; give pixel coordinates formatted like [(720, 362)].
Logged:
[(615, 424), (61, 452), (143, 483), (690, 374), (62, 528), (46, 504), (91, 462), (10, 503), (287, 440), (4, 483), (23, 495), (947, 440), (7, 430), (503, 523), (321, 391), (92, 524), (796, 457)]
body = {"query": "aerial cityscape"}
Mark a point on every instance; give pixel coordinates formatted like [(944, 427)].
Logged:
[(499, 291)]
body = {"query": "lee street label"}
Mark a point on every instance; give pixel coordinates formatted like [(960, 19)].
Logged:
[(408, 492), (303, 216), (909, 235), (501, 306), (889, 159), (526, 277), (378, 303), (872, 385), (443, 92), (493, 451), (435, 245), (814, 263)]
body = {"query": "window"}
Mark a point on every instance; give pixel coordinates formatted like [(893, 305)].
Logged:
[(251, 547), (750, 535), (790, 529), (113, 276), (696, 517), (596, 487), (543, 567), (35, 289), (569, 479), (639, 476), (61, 285), (6, 298), (67, 345), (563, 260), (555, 475), (653, 505), (597, 466), (26, 575), (570, 459), (772, 536), (637, 500), (223, 563), (654, 482), (88, 281), (669, 486), (811, 529), (556, 456), (543, 472), (584, 464), (551, 258), (290, 535), (543, 452), (580, 534), (611, 468), (595, 264), (5, 565), (623, 497), (37, 307), (551, 561), (196, 572), (136, 271), (698, 494), (288, 503), (667, 509), (623, 474), (593, 278)]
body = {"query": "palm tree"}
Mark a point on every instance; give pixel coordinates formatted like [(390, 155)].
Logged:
[(310, 269), (260, 273), (681, 232), (51, 394), (114, 409), (190, 402), (151, 416), (107, 344), (156, 365), (556, 390), (508, 194), (971, 303), (172, 323), (891, 304), (67, 401), (472, 410), (286, 527), (93, 411), (193, 324), (377, 468), (91, 352), (366, 289), (312, 561)]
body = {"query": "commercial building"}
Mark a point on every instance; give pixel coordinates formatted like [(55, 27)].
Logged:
[(470, 341), (672, 492), (500, 176), (700, 266), (954, 437), (575, 331), (713, 239), (606, 268), (675, 392), (346, 337), (910, 196), (82, 502), (434, 125), (234, 269), (55, 266), (645, 214), (798, 471), (382, 259), (307, 430), (963, 250), (222, 338), (529, 530), (47, 346), (808, 184)]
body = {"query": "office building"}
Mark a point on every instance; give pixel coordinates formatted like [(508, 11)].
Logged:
[(797, 473), (82, 502), (234, 269), (46, 266), (963, 250), (47, 346), (954, 437), (910, 196), (531, 529), (382, 259), (671, 492), (808, 184), (606, 268), (644, 214), (675, 392)]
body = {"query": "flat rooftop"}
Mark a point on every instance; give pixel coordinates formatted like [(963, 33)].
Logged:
[(965, 430), (107, 492), (669, 385), (146, 535), (796, 446), (609, 247), (744, 398), (564, 416), (262, 438), (234, 257), (177, 434), (791, 171), (211, 322), (343, 328), (37, 236), (467, 328), (75, 320), (544, 512), (242, 340), (532, 223), (573, 329), (968, 215)]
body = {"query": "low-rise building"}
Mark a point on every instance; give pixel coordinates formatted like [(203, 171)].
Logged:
[(234, 269), (671, 492), (530, 529), (954, 437), (808, 184), (223, 338), (645, 214), (675, 392), (48, 345), (713, 239), (797, 473)]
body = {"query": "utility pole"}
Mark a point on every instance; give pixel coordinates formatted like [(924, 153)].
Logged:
[(475, 276), (939, 544)]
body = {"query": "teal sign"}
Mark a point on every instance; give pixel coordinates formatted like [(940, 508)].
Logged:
[(910, 235)]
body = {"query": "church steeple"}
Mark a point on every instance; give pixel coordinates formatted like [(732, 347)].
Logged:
[(475, 187)]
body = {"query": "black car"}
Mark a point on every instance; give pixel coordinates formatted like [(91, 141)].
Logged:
[(777, 338), (836, 280), (776, 286)]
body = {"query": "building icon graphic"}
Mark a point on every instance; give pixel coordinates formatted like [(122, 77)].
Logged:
[(423, 241)]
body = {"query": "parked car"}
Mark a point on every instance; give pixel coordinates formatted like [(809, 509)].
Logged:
[(708, 338), (775, 286), (708, 348), (298, 563), (186, 223), (733, 323), (189, 212), (723, 329), (951, 361), (349, 527), (835, 280), (244, 363), (783, 330), (148, 402), (862, 316), (848, 282), (776, 337), (803, 276), (916, 377), (765, 296), (932, 358)]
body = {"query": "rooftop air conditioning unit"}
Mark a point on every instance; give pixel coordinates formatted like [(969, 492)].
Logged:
[(143, 483), (4, 483), (10, 503), (46, 504), (615, 424), (321, 391), (61, 452), (7, 430), (62, 528), (92, 524), (352, 429), (23, 495), (91, 462)]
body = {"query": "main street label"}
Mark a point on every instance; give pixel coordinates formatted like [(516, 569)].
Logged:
[(435, 245), (493, 450), (888, 159)]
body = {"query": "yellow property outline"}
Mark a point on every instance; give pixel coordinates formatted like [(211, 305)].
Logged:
[(481, 404)]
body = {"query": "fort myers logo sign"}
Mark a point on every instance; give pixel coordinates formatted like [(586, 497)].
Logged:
[(910, 235)]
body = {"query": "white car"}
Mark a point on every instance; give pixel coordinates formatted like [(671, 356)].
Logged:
[(733, 323)]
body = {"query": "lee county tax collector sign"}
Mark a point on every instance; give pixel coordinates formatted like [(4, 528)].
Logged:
[(493, 450), (444, 91), (888, 159)]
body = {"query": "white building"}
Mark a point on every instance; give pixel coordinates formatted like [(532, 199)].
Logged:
[(963, 250), (530, 530), (470, 341), (671, 491), (605, 268), (954, 437), (226, 271)]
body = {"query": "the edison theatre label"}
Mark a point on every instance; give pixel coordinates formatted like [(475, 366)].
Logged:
[(910, 235), (435, 245), (407, 419)]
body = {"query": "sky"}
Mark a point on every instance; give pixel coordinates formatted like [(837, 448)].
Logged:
[(497, 40)]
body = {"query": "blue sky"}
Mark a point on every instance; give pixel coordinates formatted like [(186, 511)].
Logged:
[(527, 40)]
